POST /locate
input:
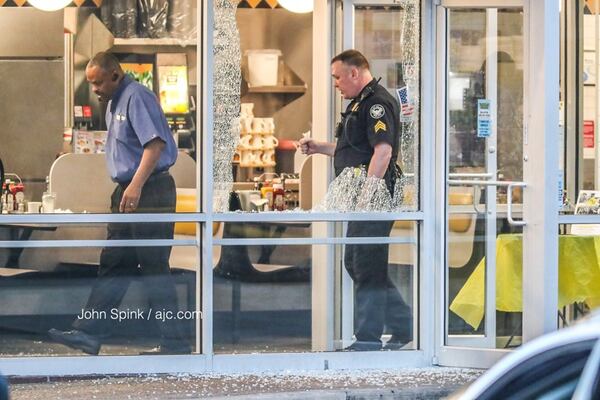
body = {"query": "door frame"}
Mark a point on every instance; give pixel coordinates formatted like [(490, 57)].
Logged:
[(347, 41), (540, 207)]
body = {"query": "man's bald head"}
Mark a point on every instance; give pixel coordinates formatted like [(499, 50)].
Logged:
[(104, 74), (106, 61)]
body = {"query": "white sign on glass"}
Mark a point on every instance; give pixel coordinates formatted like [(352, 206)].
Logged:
[(484, 118)]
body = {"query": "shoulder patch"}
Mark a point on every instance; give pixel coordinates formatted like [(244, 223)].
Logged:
[(377, 111), (380, 126)]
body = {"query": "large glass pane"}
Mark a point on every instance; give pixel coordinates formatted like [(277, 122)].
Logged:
[(263, 294), (262, 99), (377, 289), (55, 134), (263, 104), (484, 141), (467, 276), (127, 300)]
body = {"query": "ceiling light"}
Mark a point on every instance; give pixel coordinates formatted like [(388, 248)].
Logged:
[(49, 5), (297, 6)]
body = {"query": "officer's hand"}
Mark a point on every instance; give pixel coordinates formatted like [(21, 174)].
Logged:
[(308, 146)]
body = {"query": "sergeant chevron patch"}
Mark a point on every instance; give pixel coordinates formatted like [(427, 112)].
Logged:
[(380, 126)]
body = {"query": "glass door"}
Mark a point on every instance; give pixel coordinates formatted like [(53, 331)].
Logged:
[(482, 62), (387, 33)]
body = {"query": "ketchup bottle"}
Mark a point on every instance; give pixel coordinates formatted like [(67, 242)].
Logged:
[(278, 197)]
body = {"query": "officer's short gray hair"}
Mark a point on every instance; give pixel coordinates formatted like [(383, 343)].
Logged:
[(106, 61), (352, 57)]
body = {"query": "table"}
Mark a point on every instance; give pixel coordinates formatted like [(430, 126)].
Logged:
[(578, 277)]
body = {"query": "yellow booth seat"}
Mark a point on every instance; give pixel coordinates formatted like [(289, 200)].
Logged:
[(459, 223), (186, 202)]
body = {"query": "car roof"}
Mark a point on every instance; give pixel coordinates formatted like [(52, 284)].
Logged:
[(587, 329)]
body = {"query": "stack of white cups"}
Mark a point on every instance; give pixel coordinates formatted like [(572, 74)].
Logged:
[(257, 141)]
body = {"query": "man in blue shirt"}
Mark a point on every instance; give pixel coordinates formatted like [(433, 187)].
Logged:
[(139, 151)]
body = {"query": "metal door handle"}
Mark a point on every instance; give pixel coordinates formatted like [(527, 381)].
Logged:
[(477, 188), (509, 186), (509, 203)]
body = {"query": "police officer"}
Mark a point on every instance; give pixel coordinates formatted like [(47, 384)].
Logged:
[(368, 136), (140, 149)]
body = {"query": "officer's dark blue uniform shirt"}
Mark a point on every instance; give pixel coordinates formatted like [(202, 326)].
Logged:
[(134, 118), (371, 118)]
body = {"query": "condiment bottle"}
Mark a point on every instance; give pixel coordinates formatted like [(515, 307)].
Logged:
[(3, 206), (278, 197), (267, 192)]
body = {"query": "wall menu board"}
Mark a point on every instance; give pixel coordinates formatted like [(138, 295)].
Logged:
[(143, 73), (173, 89)]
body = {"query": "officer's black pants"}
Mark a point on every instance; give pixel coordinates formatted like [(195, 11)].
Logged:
[(378, 302), (118, 265)]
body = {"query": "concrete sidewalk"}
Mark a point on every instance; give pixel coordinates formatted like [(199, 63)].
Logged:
[(423, 383)]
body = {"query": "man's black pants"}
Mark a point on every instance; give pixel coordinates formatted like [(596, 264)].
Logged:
[(378, 301), (118, 265)]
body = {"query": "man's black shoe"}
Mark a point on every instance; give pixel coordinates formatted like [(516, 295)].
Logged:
[(363, 346), (162, 349), (395, 343), (76, 340)]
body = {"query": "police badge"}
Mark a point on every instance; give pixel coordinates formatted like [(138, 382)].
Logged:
[(377, 111)]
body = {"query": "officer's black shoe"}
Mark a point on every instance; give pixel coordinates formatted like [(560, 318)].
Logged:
[(164, 349), (76, 340), (363, 346), (395, 343)]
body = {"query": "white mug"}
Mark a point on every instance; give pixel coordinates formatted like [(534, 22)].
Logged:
[(246, 158), (268, 125), (256, 158), (246, 125), (245, 141), (258, 125), (34, 207), (246, 110), (250, 158), (270, 142), (257, 142), (268, 158)]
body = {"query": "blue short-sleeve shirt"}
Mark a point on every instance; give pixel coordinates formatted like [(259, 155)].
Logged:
[(134, 118)]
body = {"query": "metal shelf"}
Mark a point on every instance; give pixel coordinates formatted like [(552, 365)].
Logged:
[(153, 42), (277, 89)]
